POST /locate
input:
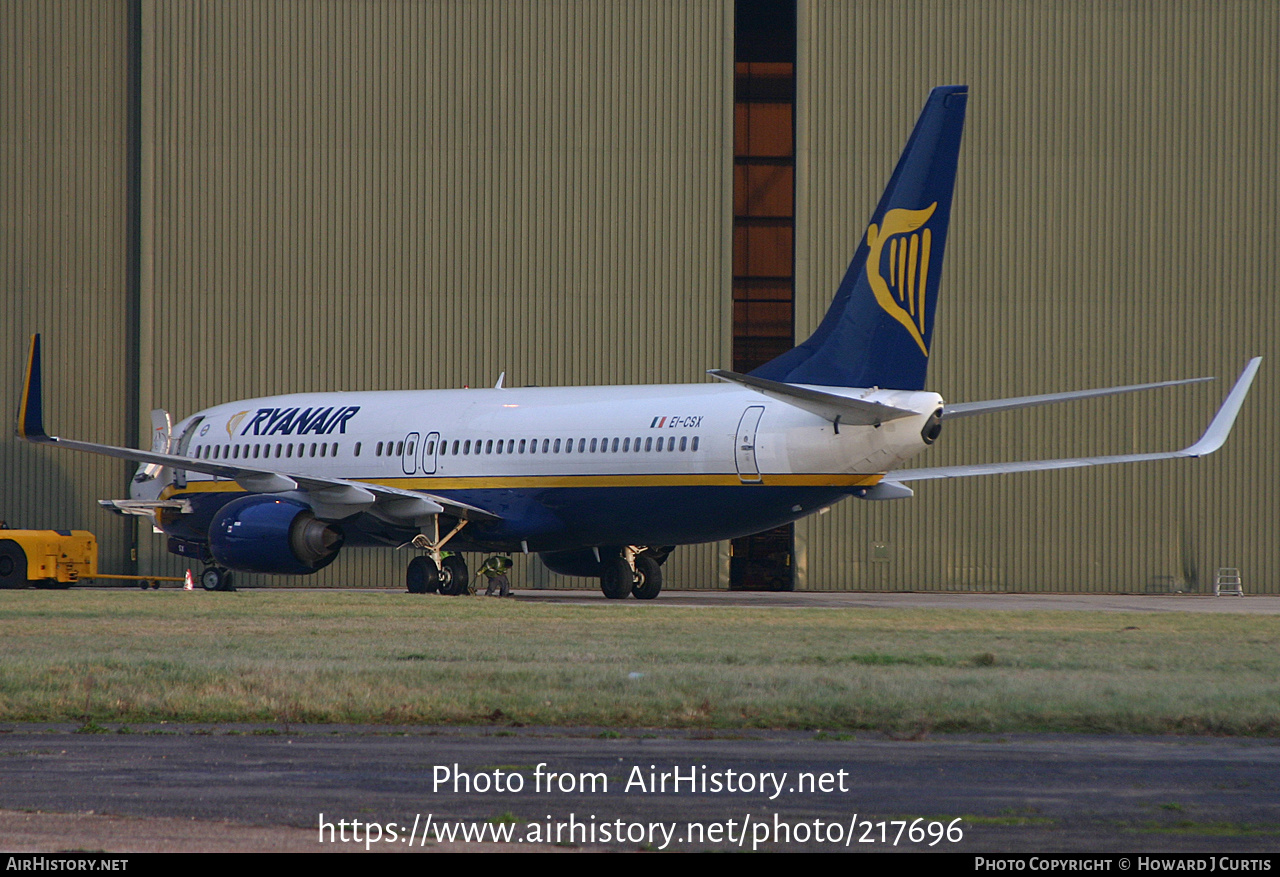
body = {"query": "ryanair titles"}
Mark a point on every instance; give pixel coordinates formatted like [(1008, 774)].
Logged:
[(299, 421)]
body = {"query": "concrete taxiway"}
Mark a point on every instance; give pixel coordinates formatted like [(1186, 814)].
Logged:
[(255, 788)]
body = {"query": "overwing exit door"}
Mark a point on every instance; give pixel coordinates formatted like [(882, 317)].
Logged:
[(430, 449), (409, 457)]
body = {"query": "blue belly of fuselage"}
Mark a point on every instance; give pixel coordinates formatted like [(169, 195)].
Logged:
[(562, 518)]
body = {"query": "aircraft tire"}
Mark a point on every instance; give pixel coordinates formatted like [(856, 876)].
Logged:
[(215, 578), (616, 579), (13, 565), (648, 578), (453, 579), (422, 577)]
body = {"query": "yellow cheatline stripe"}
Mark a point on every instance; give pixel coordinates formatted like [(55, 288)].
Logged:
[(202, 487), (484, 482), (725, 479)]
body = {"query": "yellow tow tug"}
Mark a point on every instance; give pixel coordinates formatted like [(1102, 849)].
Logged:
[(55, 559)]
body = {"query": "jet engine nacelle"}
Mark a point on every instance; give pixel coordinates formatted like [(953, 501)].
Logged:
[(272, 535)]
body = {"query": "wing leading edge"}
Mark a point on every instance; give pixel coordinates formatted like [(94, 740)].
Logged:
[(329, 498), (1213, 438)]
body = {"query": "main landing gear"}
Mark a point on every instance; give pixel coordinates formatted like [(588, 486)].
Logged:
[(449, 578), (437, 572), (633, 571)]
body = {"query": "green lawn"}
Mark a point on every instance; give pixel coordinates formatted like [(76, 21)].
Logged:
[(381, 657)]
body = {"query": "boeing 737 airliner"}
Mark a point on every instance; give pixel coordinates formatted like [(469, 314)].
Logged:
[(599, 481)]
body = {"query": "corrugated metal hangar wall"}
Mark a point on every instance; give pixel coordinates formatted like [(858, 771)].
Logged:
[(204, 201)]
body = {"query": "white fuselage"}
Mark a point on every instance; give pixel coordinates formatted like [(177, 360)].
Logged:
[(502, 449)]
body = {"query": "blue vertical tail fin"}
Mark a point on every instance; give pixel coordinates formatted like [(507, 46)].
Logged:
[(878, 330)]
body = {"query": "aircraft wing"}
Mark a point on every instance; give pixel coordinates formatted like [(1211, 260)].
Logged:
[(966, 409), (330, 498), (1214, 436)]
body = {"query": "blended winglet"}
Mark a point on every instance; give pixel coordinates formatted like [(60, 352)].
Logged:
[(31, 409), (1215, 435), (1220, 427)]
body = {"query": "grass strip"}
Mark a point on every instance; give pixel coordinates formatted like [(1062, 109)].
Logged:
[(96, 657)]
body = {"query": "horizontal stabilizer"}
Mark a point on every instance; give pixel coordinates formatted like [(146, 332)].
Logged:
[(885, 490), (967, 409), (830, 406), (1214, 436)]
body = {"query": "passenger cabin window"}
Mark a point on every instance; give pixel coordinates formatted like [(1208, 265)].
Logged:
[(357, 449)]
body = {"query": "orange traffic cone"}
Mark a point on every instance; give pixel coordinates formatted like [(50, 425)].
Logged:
[(188, 582)]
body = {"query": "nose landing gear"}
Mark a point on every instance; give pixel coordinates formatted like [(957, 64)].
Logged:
[(215, 578)]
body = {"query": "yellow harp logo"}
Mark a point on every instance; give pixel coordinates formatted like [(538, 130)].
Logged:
[(903, 294), (235, 422)]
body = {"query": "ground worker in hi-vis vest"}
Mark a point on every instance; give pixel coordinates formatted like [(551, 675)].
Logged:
[(495, 570)]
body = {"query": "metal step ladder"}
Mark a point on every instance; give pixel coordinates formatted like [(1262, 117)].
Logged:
[(1226, 582)]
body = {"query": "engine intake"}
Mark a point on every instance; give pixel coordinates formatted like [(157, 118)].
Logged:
[(272, 535)]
